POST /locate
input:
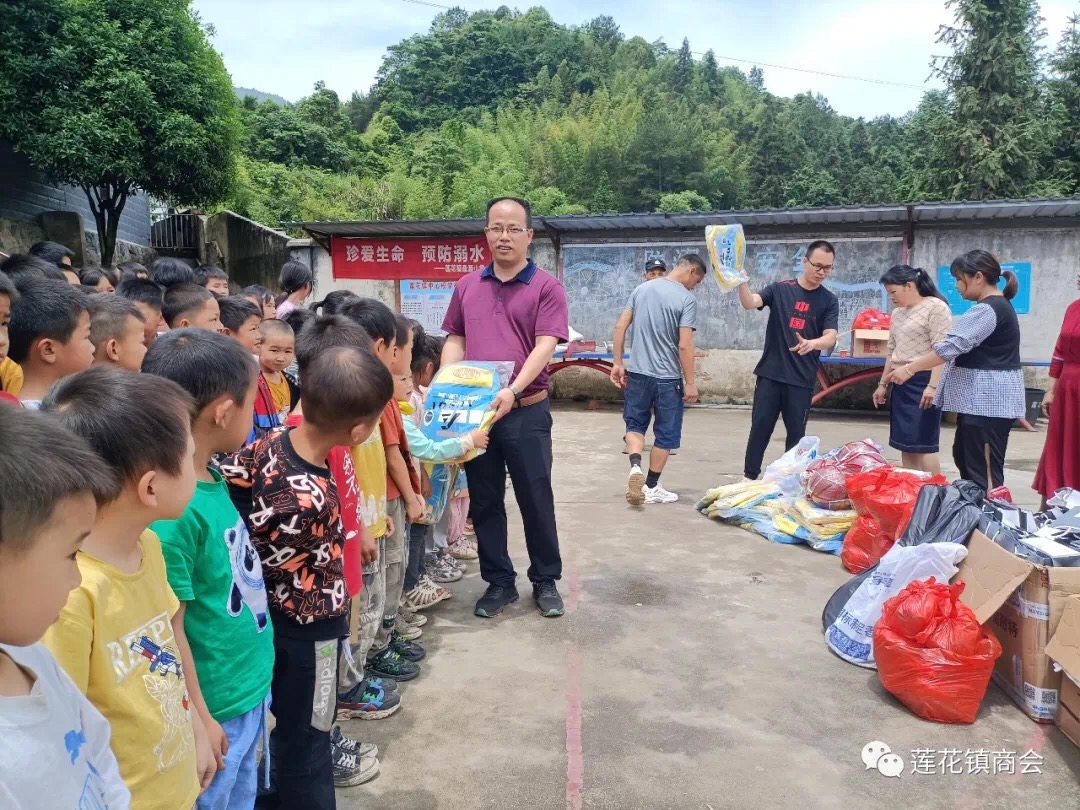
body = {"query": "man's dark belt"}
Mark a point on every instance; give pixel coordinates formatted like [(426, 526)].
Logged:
[(532, 399)]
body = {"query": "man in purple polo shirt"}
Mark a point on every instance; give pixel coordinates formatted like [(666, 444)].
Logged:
[(512, 310)]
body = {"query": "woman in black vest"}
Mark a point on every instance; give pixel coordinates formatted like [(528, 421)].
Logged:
[(983, 382)]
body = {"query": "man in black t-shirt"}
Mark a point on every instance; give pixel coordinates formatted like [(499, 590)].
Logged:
[(803, 319)]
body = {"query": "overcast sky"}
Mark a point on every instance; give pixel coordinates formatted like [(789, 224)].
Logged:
[(284, 47)]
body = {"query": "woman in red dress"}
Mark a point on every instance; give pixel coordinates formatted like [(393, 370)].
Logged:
[(1060, 463)]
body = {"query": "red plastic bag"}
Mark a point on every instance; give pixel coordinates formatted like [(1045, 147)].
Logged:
[(888, 495), (864, 545), (871, 319), (932, 654), (825, 480)]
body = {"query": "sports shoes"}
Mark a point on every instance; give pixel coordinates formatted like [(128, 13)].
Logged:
[(426, 594), (658, 494), (406, 649), (452, 561), (406, 631), (441, 571), (495, 598), (635, 487), (547, 599), (361, 749), (411, 618), (350, 769), (470, 531), (367, 702), (463, 550), (389, 664)]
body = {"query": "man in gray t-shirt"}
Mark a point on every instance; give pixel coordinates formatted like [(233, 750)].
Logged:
[(660, 377)]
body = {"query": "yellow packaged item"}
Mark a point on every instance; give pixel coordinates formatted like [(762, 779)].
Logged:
[(727, 253)]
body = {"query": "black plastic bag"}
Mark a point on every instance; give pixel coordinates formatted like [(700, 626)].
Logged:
[(946, 514)]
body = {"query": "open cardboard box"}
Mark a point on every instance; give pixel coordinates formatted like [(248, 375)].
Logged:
[(869, 342), (1022, 603), (1064, 650)]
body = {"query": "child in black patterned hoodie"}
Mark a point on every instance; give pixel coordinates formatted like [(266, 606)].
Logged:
[(284, 490)]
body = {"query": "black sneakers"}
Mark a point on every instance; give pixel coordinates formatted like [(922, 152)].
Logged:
[(547, 599), (495, 598)]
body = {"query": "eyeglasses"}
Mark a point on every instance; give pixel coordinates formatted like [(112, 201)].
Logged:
[(821, 268), (498, 230)]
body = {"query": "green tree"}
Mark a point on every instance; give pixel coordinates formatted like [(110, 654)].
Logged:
[(684, 201), (118, 96), (684, 68), (1064, 92), (997, 139)]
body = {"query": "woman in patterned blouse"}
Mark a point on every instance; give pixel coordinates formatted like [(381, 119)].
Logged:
[(920, 320), (983, 382)]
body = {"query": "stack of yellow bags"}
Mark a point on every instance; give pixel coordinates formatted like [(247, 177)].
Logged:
[(721, 501)]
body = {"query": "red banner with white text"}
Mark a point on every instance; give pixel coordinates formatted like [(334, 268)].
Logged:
[(436, 259)]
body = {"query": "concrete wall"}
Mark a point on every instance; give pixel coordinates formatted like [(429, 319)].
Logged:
[(1054, 254), (598, 275), (24, 195), (249, 252)]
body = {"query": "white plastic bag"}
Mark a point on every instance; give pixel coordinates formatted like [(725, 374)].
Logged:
[(727, 252), (851, 635), (786, 472)]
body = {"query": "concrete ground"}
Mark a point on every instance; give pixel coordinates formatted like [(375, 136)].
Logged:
[(689, 671)]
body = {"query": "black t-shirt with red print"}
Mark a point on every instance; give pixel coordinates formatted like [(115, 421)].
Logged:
[(293, 515), (793, 309)]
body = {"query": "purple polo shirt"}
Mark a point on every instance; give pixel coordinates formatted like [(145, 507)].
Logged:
[(501, 320)]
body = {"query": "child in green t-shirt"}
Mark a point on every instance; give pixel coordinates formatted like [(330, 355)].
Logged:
[(213, 567)]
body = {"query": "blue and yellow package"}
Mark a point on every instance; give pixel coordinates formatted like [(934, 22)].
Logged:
[(459, 400), (442, 477), (727, 252)]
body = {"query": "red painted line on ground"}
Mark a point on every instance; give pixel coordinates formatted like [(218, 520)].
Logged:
[(575, 762)]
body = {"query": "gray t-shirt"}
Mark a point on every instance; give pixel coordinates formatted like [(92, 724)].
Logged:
[(54, 745), (661, 307)]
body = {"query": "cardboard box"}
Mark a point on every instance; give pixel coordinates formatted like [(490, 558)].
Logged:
[(1022, 603), (1064, 650), (869, 343)]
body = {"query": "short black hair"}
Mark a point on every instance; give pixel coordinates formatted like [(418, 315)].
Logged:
[(181, 299), (294, 275), (52, 252), (169, 271), (108, 317), (262, 294), (42, 464), (92, 276), (333, 302), (298, 319), (235, 310), (45, 309), (142, 291), (404, 329), (377, 319), (205, 272), (523, 203), (819, 244), (694, 260), (327, 332), (18, 265), (343, 386), (271, 326), (427, 350), (132, 267), (7, 287), (135, 422), (206, 364)]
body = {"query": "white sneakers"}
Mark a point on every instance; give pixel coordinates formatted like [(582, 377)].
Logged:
[(638, 494), (658, 494), (635, 487)]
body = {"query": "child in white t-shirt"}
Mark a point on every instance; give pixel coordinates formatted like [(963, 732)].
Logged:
[(54, 749)]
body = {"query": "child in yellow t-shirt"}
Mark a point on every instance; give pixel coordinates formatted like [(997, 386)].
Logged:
[(118, 636)]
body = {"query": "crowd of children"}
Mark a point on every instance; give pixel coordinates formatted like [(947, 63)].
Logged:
[(214, 508)]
